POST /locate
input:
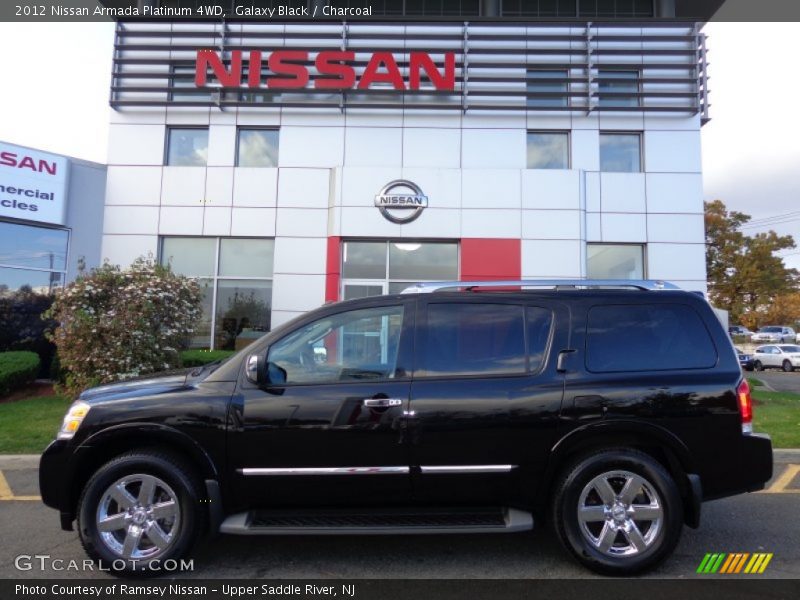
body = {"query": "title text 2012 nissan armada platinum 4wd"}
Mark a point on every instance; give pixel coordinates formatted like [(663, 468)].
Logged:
[(611, 409)]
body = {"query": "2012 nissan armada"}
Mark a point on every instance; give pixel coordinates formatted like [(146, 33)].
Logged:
[(601, 407)]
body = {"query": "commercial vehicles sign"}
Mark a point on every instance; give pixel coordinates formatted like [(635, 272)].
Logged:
[(33, 185)]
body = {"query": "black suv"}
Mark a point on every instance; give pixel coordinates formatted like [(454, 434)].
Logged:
[(466, 407)]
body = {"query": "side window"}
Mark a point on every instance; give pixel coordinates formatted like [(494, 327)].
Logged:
[(473, 339), (351, 346), (648, 337)]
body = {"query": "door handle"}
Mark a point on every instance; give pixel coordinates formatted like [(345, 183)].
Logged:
[(382, 402)]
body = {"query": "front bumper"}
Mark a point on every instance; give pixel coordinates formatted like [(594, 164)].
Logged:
[(56, 473)]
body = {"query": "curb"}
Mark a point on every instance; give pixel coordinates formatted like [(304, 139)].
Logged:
[(12, 462)]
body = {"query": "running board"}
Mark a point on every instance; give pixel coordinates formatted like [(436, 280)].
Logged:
[(377, 521)]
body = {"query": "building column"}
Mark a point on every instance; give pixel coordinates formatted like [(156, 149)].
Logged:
[(490, 8), (665, 9)]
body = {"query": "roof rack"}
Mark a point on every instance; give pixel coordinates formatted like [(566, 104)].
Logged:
[(558, 284)]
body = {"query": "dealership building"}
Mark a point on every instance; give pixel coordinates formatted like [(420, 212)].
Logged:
[(287, 164)]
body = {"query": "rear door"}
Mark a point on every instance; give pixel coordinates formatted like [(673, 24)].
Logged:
[(485, 397)]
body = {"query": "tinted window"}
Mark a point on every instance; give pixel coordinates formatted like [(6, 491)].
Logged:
[(474, 339), (656, 337)]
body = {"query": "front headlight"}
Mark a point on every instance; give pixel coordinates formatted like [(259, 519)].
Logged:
[(73, 419)]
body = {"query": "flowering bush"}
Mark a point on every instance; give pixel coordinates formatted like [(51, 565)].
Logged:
[(116, 324)]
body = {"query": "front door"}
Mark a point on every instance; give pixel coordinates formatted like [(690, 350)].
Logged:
[(328, 430), (485, 399)]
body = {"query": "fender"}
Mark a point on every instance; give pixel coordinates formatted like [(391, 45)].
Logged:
[(156, 432)]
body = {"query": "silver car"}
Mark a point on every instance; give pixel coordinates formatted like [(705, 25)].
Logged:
[(778, 356), (775, 333)]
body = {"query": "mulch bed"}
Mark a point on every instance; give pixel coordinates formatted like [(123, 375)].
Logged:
[(38, 388)]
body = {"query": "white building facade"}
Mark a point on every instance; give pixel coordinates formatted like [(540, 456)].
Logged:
[(548, 151)]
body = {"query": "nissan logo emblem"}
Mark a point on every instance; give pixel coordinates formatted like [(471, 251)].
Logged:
[(404, 197)]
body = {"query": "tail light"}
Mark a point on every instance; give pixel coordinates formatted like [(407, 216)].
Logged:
[(745, 406)]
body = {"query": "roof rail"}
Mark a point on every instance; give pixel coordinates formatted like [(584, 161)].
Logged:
[(639, 284)]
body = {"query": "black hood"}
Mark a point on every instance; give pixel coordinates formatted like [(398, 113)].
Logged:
[(142, 386)]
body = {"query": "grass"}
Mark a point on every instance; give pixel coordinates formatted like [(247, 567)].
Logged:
[(778, 414), (27, 426), (754, 383)]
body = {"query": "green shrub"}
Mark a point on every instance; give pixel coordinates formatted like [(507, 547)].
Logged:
[(17, 369), (198, 358), (116, 324), (22, 326)]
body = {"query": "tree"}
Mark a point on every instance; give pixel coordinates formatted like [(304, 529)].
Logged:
[(115, 324), (744, 275)]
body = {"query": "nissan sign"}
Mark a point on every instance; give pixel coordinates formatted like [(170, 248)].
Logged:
[(401, 201), (33, 184)]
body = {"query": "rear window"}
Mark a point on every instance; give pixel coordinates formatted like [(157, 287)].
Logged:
[(483, 339), (647, 337)]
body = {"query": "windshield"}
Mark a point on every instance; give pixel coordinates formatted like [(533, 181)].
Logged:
[(770, 330), (790, 349)]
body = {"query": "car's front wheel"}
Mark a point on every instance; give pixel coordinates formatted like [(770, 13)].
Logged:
[(758, 366), (140, 510), (618, 512)]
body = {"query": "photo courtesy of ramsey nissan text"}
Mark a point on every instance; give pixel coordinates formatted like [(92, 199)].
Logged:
[(381, 299)]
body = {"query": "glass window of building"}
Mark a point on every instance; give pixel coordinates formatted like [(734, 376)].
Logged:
[(548, 150), (621, 152), (187, 146), (257, 148), (550, 82), (235, 275), (612, 82), (34, 257), (374, 268), (615, 8), (615, 261)]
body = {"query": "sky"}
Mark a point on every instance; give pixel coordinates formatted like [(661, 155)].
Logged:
[(56, 79)]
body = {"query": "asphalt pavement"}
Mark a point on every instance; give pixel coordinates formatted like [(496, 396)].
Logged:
[(761, 522), (778, 380)]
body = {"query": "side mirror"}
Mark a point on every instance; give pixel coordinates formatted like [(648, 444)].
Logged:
[(263, 373), (255, 369)]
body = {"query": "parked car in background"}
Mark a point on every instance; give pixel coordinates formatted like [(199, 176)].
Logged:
[(775, 333), (779, 356), (745, 360), (739, 330)]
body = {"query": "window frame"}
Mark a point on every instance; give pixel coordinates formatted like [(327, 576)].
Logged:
[(386, 281), (609, 102), (215, 277), (67, 255), (239, 129), (641, 245), (565, 132), (548, 103), (168, 143), (617, 132)]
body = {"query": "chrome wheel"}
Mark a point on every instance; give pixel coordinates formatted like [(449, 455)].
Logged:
[(138, 516), (620, 513)]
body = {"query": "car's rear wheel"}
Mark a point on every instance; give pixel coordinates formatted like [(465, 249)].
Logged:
[(787, 366), (758, 366), (618, 512), (140, 510)]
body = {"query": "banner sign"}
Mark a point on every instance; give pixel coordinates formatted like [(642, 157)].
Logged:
[(33, 185)]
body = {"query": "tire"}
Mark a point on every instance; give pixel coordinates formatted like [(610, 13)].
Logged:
[(159, 524), (757, 366), (787, 367), (606, 541)]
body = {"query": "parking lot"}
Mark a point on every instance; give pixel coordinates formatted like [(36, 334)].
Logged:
[(779, 381), (761, 522)]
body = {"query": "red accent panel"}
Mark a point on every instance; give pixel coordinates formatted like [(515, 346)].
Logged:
[(333, 268), (491, 258)]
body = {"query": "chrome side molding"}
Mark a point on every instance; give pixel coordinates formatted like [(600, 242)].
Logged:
[(467, 469), (327, 471)]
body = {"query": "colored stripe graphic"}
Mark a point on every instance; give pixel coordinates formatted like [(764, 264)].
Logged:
[(733, 563)]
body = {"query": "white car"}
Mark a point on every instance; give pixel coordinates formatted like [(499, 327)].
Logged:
[(779, 356), (775, 333)]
